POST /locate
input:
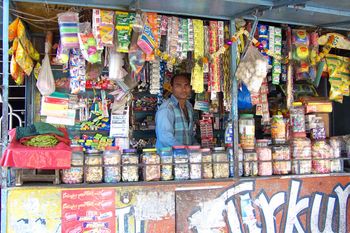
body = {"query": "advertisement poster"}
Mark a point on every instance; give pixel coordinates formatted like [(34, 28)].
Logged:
[(88, 210)]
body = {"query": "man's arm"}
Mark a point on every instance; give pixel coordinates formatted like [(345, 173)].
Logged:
[(165, 127)]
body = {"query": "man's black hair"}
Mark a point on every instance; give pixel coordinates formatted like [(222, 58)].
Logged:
[(186, 75)]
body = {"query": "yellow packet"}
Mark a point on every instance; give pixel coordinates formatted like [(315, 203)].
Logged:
[(23, 60), (13, 29), (197, 80), (37, 70)]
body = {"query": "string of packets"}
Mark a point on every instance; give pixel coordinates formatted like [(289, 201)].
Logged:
[(331, 43)]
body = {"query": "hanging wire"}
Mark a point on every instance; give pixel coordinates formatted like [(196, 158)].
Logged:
[(252, 32)]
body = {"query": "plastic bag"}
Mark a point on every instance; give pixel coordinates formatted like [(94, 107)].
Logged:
[(69, 28), (244, 100), (88, 44), (46, 82), (252, 69), (116, 63)]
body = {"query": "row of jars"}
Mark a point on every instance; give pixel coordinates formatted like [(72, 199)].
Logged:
[(179, 163)]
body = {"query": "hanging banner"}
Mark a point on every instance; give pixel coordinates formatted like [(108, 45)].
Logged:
[(88, 210)]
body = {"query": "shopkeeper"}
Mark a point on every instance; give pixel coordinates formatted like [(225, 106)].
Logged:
[(174, 118)]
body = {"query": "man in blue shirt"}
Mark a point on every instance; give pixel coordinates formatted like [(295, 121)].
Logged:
[(174, 118)]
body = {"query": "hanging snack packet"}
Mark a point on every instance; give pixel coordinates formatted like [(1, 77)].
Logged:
[(136, 55), (88, 44), (13, 29), (124, 26), (103, 27), (77, 70), (146, 40), (69, 27), (23, 59)]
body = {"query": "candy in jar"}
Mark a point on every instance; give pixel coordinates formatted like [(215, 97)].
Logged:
[(264, 154), (151, 163), (336, 163), (280, 153), (250, 163), (318, 131), (301, 155), (207, 160), (74, 174), (130, 165), (220, 163), (181, 168), (297, 119), (93, 169), (247, 131), (166, 158), (112, 162), (321, 155), (195, 157), (278, 129)]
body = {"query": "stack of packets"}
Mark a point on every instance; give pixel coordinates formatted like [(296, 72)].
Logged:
[(124, 22), (261, 101), (77, 71), (103, 27), (147, 41), (56, 110), (316, 105), (153, 21), (263, 32), (275, 45), (206, 128), (97, 142), (155, 77)]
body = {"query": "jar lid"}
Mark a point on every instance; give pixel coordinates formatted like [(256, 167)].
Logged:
[(262, 141), (150, 150), (219, 148), (194, 147), (205, 150), (179, 147), (77, 148), (129, 151), (277, 116), (297, 104), (246, 116), (112, 148), (165, 149)]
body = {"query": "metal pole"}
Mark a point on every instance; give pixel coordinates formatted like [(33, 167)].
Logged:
[(5, 95), (234, 107)]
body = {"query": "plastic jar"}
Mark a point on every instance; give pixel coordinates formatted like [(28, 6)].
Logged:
[(247, 131), (207, 160), (166, 158), (151, 165), (281, 153), (336, 163), (181, 168), (297, 119), (318, 132), (112, 164), (130, 168), (74, 175), (250, 163), (93, 168), (264, 153), (301, 149), (220, 163), (278, 129), (195, 157), (321, 155)]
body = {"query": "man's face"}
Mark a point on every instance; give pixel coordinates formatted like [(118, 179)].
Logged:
[(181, 88)]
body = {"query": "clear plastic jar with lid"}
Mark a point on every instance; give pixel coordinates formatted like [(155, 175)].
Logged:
[(280, 153), (181, 168), (195, 157), (321, 157), (151, 165), (220, 163), (166, 158), (250, 163), (278, 129), (297, 119), (301, 155), (247, 131), (93, 168), (74, 175), (112, 164), (336, 163), (130, 165), (264, 153), (207, 160)]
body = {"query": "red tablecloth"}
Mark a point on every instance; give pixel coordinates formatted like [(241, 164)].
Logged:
[(20, 156)]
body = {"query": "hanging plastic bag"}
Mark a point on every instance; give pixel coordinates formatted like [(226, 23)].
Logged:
[(46, 82), (88, 44), (252, 69), (244, 100), (116, 63)]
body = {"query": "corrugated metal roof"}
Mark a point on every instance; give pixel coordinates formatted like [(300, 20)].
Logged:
[(332, 14)]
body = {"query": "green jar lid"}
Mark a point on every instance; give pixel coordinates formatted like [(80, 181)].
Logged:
[(165, 149), (150, 150), (246, 116)]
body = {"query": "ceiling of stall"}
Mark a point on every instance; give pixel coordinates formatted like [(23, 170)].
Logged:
[(322, 13)]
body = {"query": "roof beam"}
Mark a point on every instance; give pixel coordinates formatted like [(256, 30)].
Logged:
[(276, 4), (322, 9), (326, 25)]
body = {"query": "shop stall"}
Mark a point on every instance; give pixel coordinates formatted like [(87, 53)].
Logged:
[(264, 76)]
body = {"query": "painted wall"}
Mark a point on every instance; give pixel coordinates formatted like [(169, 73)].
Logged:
[(317, 205)]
